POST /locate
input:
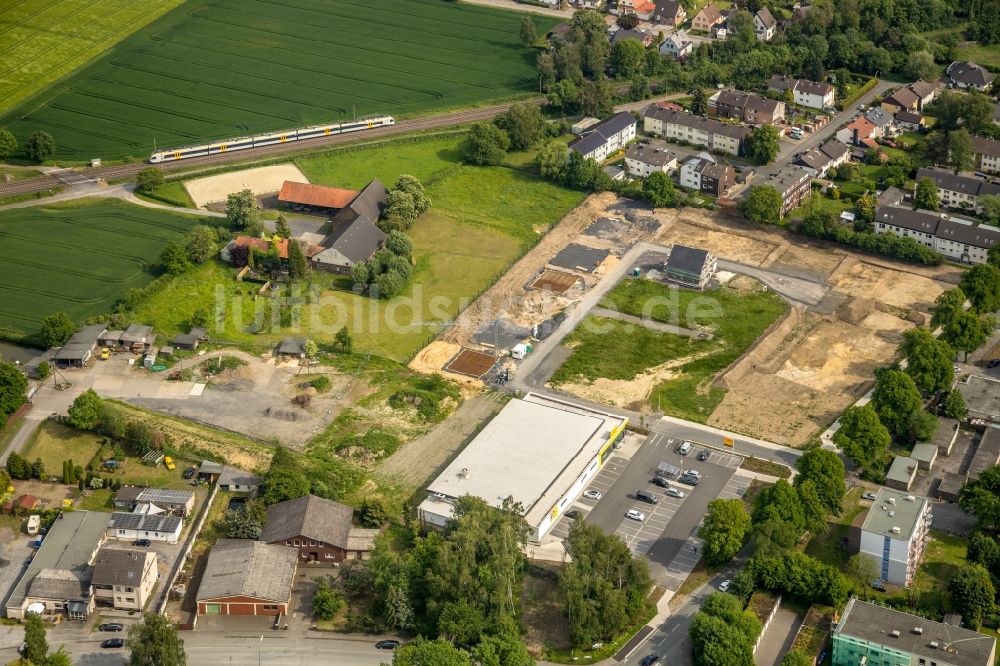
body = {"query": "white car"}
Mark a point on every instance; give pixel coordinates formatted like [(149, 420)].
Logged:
[(693, 472), (675, 492), (724, 585), (635, 515), (958, 369), (592, 494)]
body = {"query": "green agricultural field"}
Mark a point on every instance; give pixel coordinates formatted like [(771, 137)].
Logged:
[(481, 220), (615, 350), (79, 260), (214, 69), (42, 41)]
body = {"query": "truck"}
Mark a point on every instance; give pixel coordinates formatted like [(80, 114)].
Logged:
[(34, 522)]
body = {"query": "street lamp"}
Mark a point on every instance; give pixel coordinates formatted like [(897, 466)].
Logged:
[(259, 644)]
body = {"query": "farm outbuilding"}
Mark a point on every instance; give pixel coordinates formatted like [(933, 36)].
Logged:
[(247, 578), (355, 237), (292, 347), (321, 197), (79, 349)]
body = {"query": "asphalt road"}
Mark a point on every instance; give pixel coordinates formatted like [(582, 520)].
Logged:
[(609, 513), (710, 436)]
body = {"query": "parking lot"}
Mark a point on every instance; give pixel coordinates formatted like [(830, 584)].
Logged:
[(667, 534)]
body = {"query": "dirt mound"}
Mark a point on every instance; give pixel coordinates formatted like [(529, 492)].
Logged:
[(854, 310)]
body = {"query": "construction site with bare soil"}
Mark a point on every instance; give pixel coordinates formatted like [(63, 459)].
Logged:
[(806, 368)]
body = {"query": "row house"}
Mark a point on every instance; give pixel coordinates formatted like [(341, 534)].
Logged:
[(746, 107), (957, 191), (955, 238), (824, 157), (682, 126), (986, 154)]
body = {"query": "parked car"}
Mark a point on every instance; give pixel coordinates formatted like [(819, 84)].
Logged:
[(994, 363), (688, 480), (635, 514), (168, 462), (703, 456), (649, 660), (142, 543), (659, 481), (869, 496), (724, 585), (110, 626), (675, 492), (388, 644), (105, 354), (647, 497), (113, 643), (572, 513), (693, 472), (189, 472), (592, 494), (957, 369), (878, 585)]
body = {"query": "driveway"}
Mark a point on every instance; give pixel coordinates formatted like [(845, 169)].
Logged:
[(778, 637)]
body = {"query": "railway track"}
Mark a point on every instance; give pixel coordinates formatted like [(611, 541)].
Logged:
[(127, 171)]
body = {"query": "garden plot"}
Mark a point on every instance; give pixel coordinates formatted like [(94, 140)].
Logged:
[(262, 180)]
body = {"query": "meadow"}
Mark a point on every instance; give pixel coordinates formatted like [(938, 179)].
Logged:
[(615, 350), (43, 41), (481, 220), (77, 259), (213, 69)]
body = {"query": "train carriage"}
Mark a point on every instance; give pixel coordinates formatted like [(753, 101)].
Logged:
[(269, 139)]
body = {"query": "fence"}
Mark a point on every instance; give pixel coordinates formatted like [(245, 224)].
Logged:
[(161, 603)]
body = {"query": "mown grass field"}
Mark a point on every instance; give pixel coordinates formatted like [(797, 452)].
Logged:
[(213, 69), (481, 220), (615, 350), (53, 443), (42, 41), (79, 260)]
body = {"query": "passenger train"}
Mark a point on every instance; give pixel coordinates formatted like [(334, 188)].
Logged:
[(244, 142)]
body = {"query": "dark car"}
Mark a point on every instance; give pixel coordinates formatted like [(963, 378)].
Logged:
[(643, 496), (142, 543), (703, 456), (994, 363), (660, 481), (688, 480), (572, 513), (878, 585), (189, 472), (389, 644), (110, 626), (113, 643), (649, 660)]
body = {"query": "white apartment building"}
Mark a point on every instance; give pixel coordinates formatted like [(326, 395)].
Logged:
[(682, 126), (957, 191), (956, 238), (895, 534), (606, 137), (646, 157)]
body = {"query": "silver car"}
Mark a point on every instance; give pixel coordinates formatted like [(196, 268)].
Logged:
[(592, 494), (635, 515)]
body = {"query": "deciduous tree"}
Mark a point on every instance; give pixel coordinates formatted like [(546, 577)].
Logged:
[(762, 205), (764, 143), (174, 257), (13, 385), (8, 144), (948, 304), (953, 405), (200, 244), (56, 329), (724, 530), (149, 179), (826, 470), (960, 155), (980, 497), (36, 647), (40, 146), (968, 331), (486, 144), (529, 33), (248, 522), (412, 186), (423, 652), (524, 125), (327, 602), (243, 211), (920, 65), (659, 190), (154, 642), (928, 360), (981, 285), (972, 592), (699, 102), (894, 399), (862, 436), (552, 158), (926, 195), (85, 412), (627, 56)]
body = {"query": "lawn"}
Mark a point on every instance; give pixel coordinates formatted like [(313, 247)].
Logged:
[(826, 546), (736, 316), (78, 259), (942, 558), (473, 208), (987, 56), (835, 206), (54, 443), (215, 69), (172, 194), (8, 174), (44, 41)]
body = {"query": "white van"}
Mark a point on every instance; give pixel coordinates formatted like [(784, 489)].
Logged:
[(684, 448), (34, 522)]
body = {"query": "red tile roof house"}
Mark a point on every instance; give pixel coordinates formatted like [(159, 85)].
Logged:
[(856, 132), (300, 195)]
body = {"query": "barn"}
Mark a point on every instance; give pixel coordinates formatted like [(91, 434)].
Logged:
[(247, 578), (305, 196)]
